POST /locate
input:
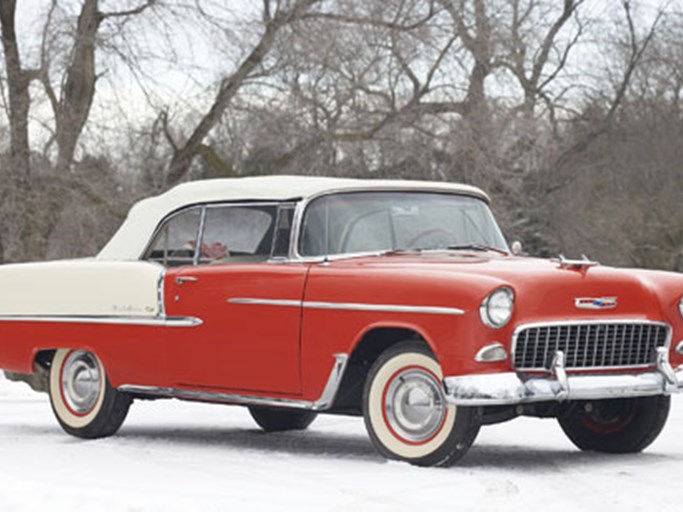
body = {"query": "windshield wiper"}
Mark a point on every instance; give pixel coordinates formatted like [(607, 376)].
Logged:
[(477, 247)]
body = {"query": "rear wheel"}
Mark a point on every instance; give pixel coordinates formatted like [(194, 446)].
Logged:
[(82, 399), (272, 419), (406, 413), (624, 425)]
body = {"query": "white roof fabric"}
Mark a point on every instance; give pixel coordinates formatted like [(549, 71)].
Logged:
[(132, 237)]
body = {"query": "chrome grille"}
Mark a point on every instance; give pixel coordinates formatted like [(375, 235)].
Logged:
[(589, 345)]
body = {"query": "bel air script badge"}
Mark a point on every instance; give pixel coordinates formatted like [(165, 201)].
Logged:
[(595, 302)]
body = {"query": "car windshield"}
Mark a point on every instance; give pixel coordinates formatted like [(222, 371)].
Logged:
[(359, 222)]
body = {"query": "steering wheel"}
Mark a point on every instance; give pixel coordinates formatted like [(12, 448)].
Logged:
[(436, 232)]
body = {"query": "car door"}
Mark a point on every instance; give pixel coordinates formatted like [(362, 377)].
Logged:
[(249, 303)]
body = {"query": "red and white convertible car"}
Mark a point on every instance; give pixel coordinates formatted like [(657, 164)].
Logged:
[(396, 300)]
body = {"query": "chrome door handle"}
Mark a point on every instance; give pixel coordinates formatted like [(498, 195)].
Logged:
[(186, 279)]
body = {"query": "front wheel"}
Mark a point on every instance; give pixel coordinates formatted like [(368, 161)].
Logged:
[(406, 413), (623, 425), (82, 399)]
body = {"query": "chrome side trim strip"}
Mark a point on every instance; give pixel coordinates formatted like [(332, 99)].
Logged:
[(207, 396), (267, 302), (388, 308), (349, 306), (333, 382), (161, 293), (323, 403), (109, 320)]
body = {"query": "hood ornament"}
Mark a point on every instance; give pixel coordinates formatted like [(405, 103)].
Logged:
[(595, 302), (581, 264)]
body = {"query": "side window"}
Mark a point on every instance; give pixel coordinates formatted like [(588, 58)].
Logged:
[(174, 244), (234, 234)]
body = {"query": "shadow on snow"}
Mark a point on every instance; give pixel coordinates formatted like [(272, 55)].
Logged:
[(355, 447)]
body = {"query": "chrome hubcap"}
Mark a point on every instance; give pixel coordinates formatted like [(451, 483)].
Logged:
[(414, 405), (81, 381)]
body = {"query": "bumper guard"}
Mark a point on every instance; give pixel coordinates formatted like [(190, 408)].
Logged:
[(515, 388)]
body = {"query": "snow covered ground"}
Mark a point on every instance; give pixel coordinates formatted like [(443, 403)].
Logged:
[(172, 456)]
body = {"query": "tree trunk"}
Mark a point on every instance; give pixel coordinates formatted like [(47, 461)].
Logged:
[(79, 88), (19, 100), (19, 194)]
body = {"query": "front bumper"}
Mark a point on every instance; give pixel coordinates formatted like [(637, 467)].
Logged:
[(514, 388)]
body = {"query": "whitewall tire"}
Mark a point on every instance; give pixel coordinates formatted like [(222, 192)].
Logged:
[(405, 411), (82, 399)]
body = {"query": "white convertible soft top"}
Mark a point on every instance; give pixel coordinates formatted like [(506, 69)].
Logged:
[(132, 237)]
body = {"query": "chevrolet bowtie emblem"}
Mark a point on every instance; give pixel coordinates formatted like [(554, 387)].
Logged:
[(596, 302)]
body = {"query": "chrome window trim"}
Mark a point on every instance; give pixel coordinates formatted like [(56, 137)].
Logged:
[(564, 323), (349, 306), (280, 210), (245, 203), (294, 254), (266, 302), (324, 402), (200, 235), (160, 321)]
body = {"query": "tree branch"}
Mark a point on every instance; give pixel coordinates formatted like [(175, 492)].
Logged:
[(374, 22), (131, 12)]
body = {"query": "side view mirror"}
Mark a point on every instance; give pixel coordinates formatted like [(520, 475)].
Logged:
[(517, 247)]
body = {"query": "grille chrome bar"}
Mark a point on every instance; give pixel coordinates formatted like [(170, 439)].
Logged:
[(590, 345)]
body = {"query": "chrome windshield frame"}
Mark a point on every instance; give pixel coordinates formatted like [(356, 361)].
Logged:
[(302, 206)]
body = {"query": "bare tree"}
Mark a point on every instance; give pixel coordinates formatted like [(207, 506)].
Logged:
[(33, 204), (575, 155), (277, 14), (492, 92)]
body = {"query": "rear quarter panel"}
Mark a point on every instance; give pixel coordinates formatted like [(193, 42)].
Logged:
[(41, 304)]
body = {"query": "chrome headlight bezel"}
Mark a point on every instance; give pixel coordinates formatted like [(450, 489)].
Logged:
[(494, 303), (680, 307)]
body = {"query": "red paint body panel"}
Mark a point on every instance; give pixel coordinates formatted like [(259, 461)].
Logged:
[(252, 347), (130, 353), (288, 350)]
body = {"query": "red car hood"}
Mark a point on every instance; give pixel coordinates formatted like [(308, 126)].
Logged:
[(544, 290)]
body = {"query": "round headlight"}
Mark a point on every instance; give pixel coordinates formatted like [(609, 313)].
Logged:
[(496, 310)]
